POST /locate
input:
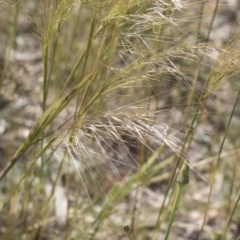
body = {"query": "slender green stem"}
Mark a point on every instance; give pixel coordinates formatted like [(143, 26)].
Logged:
[(174, 209), (182, 180)]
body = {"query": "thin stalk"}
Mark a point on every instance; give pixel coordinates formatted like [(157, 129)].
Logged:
[(182, 180), (78, 62), (230, 217), (138, 195), (45, 76), (200, 21), (90, 38), (217, 163), (45, 89), (11, 43), (233, 180), (212, 20), (71, 75), (208, 202), (47, 67), (67, 229), (134, 209), (54, 52), (79, 104), (76, 26), (191, 94)]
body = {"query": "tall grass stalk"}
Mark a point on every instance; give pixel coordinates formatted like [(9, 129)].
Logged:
[(182, 180)]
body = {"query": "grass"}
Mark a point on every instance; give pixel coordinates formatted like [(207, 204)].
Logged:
[(131, 96)]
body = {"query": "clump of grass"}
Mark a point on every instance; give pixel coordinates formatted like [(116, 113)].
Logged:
[(111, 72)]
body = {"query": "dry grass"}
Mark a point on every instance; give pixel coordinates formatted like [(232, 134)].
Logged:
[(122, 96)]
